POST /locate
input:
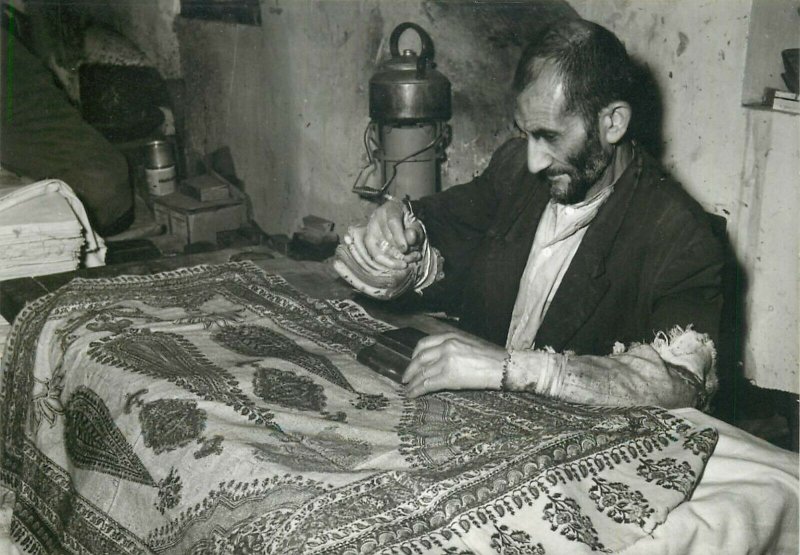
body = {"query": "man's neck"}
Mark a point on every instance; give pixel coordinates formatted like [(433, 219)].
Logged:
[(620, 159)]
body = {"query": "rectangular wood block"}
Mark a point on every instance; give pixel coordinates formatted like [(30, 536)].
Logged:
[(207, 188), (197, 221)]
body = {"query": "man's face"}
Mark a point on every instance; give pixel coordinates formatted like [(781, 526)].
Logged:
[(560, 145)]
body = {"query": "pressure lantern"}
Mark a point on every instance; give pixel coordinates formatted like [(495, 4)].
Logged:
[(409, 105)]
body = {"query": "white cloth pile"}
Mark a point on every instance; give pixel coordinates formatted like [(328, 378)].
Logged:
[(44, 230)]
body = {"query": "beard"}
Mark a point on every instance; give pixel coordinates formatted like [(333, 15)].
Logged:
[(570, 183)]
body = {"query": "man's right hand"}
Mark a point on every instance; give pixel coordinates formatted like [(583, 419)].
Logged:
[(392, 236)]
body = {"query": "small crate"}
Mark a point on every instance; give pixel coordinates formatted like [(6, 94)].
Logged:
[(207, 188), (196, 221)]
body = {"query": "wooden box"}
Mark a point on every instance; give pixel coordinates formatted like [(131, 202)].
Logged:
[(208, 188), (195, 221)]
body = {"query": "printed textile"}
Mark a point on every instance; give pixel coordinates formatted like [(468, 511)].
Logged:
[(217, 409)]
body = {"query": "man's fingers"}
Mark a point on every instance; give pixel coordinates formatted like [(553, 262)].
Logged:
[(457, 339), (397, 233), (360, 253), (391, 262), (392, 245), (372, 238), (380, 249), (432, 341), (380, 263), (433, 379), (350, 277), (386, 228), (419, 362), (453, 361)]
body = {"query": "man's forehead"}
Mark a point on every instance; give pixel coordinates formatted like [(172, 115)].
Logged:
[(544, 97)]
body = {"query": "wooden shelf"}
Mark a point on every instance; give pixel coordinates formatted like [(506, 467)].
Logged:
[(761, 108)]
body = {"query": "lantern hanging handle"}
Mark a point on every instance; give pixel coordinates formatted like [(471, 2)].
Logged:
[(427, 45)]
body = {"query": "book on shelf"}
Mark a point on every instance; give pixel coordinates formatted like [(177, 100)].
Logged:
[(782, 101)]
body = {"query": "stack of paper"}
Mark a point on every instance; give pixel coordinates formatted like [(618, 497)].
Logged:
[(43, 230)]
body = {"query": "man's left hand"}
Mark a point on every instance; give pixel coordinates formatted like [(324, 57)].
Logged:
[(454, 361)]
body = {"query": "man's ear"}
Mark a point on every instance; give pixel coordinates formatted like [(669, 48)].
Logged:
[(614, 121)]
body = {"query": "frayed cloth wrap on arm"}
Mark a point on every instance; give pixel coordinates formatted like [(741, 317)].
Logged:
[(677, 369)]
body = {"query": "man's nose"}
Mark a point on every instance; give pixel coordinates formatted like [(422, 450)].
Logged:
[(538, 157)]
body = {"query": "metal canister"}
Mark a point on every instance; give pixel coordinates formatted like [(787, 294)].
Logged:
[(160, 168)]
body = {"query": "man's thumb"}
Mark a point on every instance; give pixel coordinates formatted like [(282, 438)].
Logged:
[(413, 234)]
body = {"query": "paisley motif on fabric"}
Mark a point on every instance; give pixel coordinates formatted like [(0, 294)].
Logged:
[(339, 326), (114, 319), (250, 536), (171, 357), (209, 447), (94, 442), (47, 399), (211, 320), (109, 324), (168, 424), (287, 389), (325, 452), (259, 341)]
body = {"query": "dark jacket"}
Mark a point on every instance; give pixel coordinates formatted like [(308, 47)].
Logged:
[(647, 263)]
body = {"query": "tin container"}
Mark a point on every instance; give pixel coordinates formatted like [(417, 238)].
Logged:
[(158, 154), (160, 168)]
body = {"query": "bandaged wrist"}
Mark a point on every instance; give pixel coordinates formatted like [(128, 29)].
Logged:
[(504, 375), (540, 372), (551, 376)]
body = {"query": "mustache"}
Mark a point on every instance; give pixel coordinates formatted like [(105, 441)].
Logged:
[(555, 172)]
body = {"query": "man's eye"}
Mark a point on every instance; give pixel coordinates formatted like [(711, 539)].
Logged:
[(544, 136)]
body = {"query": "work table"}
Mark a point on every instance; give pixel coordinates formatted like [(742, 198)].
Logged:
[(317, 279)]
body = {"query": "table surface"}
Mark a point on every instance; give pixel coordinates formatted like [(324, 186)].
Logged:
[(317, 279)]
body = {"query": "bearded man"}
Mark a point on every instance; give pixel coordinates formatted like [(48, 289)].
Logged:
[(579, 268)]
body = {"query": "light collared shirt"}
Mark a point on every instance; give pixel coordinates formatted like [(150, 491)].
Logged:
[(557, 239)]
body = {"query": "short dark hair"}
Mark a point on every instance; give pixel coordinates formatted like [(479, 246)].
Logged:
[(593, 64)]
